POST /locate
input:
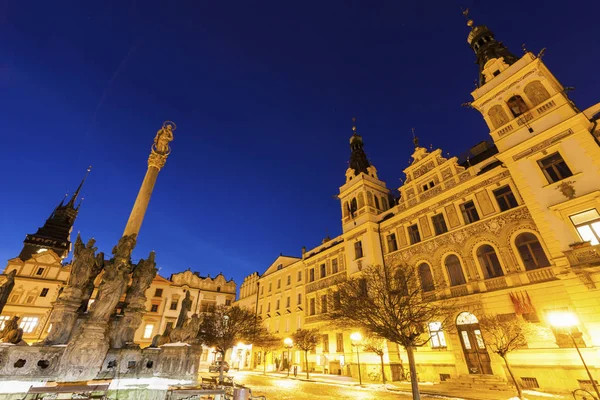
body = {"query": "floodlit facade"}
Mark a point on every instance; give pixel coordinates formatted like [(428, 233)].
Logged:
[(511, 230)]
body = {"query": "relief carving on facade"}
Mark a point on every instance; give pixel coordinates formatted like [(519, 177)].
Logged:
[(453, 219), (485, 203), (542, 145), (536, 92)]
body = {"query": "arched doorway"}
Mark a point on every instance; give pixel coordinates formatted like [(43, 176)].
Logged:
[(471, 339)]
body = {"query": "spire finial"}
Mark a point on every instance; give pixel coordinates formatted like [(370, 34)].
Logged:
[(354, 125), (465, 13), (76, 194), (415, 138)]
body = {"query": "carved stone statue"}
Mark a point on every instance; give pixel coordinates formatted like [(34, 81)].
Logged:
[(11, 332), (159, 340), (163, 137), (84, 269), (89, 287), (186, 306), (124, 327), (114, 280), (6, 288), (188, 332)]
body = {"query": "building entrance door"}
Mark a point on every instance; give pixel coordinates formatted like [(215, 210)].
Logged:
[(476, 354)]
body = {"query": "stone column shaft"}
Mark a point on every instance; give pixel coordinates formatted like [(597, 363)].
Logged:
[(141, 202)]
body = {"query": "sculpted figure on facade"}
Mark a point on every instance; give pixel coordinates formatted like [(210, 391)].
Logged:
[(163, 137), (498, 116), (6, 288), (89, 287), (114, 280), (536, 92), (11, 332), (186, 306), (159, 340)]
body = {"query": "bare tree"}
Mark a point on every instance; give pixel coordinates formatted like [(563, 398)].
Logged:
[(503, 335), (226, 326), (306, 340), (266, 343), (390, 302), (376, 345)]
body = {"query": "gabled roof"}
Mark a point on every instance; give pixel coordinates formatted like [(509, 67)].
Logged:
[(282, 261)]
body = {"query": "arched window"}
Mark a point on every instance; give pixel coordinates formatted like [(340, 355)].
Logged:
[(426, 278), (531, 251), (489, 261), (376, 202), (455, 272), (369, 199), (361, 200), (353, 207), (384, 203), (346, 209), (517, 105), (536, 92)]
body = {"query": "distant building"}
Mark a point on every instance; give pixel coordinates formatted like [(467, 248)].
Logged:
[(513, 229)]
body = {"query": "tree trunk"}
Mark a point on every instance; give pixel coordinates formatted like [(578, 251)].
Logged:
[(265, 363), (221, 367), (413, 373), (382, 369), (519, 391), (306, 363)]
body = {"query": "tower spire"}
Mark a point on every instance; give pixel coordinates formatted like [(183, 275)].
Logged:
[(358, 159), (71, 202), (486, 48)]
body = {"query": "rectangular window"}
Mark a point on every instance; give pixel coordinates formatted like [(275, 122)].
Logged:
[(392, 245), (260, 310), (289, 280), (174, 304), (312, 306), (44, 292), (277, 305), (554, 167), (39, 271), (268, 307), (28, 324), (505, 198), (337, 301), (358, 250), (469, 212), (3, 320), (287, 325), (287, 302), (262, 290), (299, 276), (439, 224), (323, 304), (312, 275), (227, 302), (158, 293), (323, 271), (154, 308), (278, 283), (438, 339), (270, 286), (148, 331), (413, 234), (325, 343), (339, 342), (334, 266), (428, 185), (299, 298), (587, 224)]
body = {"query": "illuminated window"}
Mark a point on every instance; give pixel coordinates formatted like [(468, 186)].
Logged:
[(3, 320), (339, 342), (28, 324), (436, 333), (148, 331), (555, 168), (587, 224)]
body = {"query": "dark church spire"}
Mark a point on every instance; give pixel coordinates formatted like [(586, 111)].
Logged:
[(486, 48), (55, 235), (358, 158)]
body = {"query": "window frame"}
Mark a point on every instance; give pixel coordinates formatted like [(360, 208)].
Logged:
[(589, 223), (414, 235), (506, 197), (392, 243), (443, 227), (466, 212), (553, 166), (464, 278), (437, 332), (358, 250), (530, 251), (486, 262)]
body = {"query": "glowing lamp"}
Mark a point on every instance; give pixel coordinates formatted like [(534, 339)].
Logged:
[(562, 319)]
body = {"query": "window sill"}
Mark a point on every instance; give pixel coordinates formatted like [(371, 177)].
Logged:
[(557, 183)]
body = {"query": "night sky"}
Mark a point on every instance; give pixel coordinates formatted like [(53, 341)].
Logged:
[(262, 93)]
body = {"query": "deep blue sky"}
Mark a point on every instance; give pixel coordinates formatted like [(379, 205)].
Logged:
[(263, 96)]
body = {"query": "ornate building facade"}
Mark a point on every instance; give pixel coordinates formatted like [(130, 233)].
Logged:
[(513, 230)]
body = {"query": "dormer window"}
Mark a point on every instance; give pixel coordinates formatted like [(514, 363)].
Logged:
[(517, 105)]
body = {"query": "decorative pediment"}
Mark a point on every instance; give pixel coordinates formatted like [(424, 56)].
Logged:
[(46, 257), (280, 262)]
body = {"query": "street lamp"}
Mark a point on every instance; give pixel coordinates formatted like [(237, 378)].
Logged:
[(568, 320), (288, 343), (356, 338)]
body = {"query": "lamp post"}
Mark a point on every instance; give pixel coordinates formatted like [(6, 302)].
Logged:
[(568, 320), (356, 338), (288, 343)]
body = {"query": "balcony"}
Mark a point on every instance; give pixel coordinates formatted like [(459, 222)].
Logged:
[(540, 275), (524, 119), (584, 256), (495, 283), (326, 282)]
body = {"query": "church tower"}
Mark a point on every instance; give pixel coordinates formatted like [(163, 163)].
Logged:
[(55, 235), (550, 147), (363, 196)]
